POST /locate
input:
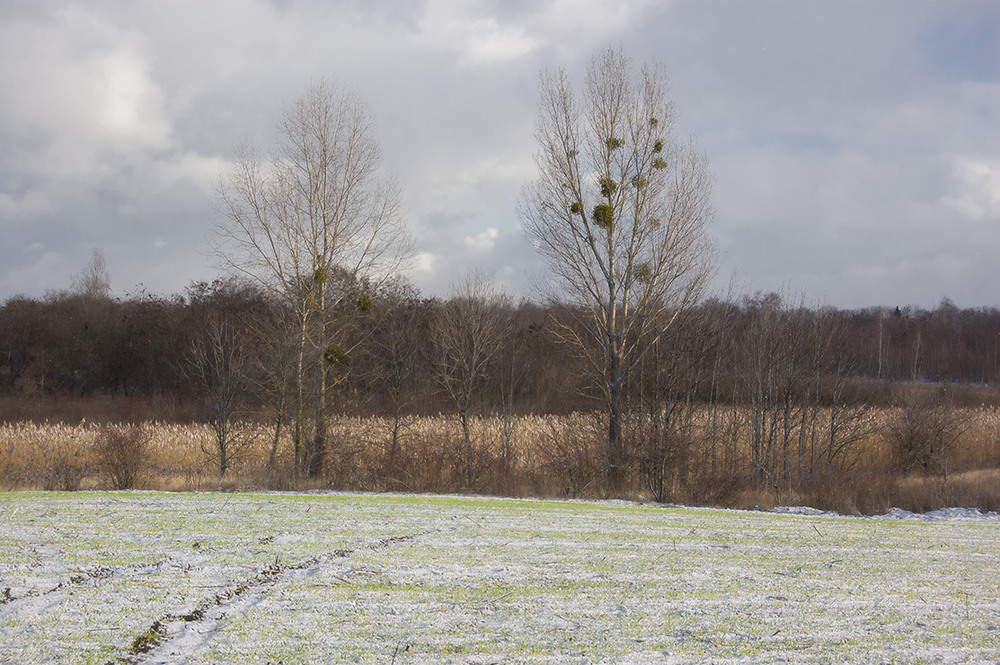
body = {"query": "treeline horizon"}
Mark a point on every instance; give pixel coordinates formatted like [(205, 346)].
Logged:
[(73, 343)]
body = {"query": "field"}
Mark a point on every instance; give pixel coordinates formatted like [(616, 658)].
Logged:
[(107, 577)]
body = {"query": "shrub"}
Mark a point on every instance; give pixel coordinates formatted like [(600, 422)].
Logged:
[(571, 453), (65, 473), (122, 454), (661, 461), (925, 432)]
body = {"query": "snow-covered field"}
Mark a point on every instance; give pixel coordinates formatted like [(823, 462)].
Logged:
[(334, 578)]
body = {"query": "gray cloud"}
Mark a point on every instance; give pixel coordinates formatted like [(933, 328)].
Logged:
[(854, 143)]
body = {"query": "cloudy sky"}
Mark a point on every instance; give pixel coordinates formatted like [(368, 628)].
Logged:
[(855, 144)]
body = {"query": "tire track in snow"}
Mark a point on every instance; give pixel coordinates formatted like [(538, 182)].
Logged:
[(35, 602), (174, 638)]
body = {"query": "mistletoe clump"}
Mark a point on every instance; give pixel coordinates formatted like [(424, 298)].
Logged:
[(608, 186), (604, 216), (643, 273), (334, 354)]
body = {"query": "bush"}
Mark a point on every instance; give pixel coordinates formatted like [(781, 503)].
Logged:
[(925, 432), (662, 460), (122, 454), (65, 474), (572, 455)]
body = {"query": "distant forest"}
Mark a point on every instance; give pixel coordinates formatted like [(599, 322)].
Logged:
[(387, 355)]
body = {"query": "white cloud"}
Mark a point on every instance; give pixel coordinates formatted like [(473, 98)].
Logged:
[(486, 41), (425, 263), (129, 104), (201, 170), (483, 241), (977, 179), (85, 94), (49, 268), (478, 37), (576, 27)]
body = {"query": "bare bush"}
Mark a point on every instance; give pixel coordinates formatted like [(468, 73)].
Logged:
[(661, 458), (122, 454), (924, 432), (66, 472), (572, 453)]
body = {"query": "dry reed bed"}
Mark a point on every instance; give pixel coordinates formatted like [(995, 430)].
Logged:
[(545, 453), (36, 455)]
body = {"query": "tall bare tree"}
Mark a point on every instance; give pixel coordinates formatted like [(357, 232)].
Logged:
[(620, 212), (316, 208), (219, 361), (469, 333), (94, 281)]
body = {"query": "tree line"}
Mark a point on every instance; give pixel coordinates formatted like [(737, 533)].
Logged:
[(71, 343)]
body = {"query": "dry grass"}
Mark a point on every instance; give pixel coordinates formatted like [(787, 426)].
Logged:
[(550, 456), (973, 489)]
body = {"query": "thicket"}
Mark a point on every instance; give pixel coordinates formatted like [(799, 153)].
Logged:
[(761, 398)]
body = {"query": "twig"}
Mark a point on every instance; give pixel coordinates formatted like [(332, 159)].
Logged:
[(499, 598), (396, 652), (568, 620)]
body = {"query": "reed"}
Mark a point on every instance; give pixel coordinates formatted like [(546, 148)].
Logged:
[(546, 455)]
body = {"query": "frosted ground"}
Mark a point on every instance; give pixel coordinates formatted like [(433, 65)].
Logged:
[(306, 578)]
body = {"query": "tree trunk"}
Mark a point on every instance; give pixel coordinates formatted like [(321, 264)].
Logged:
[(318, 455), (300, 405), (464, 414), (616, 449)]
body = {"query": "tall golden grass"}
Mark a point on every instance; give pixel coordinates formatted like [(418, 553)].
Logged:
[(549, 456)]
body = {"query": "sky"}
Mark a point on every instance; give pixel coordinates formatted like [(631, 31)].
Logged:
[(855, 145)]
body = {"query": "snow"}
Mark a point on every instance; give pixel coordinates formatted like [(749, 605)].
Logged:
[(800, 510), (942, 514), (341, 578)]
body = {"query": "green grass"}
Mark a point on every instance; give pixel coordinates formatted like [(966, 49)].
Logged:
[(473, 580)]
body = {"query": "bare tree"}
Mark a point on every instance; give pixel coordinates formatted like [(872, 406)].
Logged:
[(394, 348), (620, 213), (94, 281), (469, 333), (220, 363), (275, 331), (316, 208)]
